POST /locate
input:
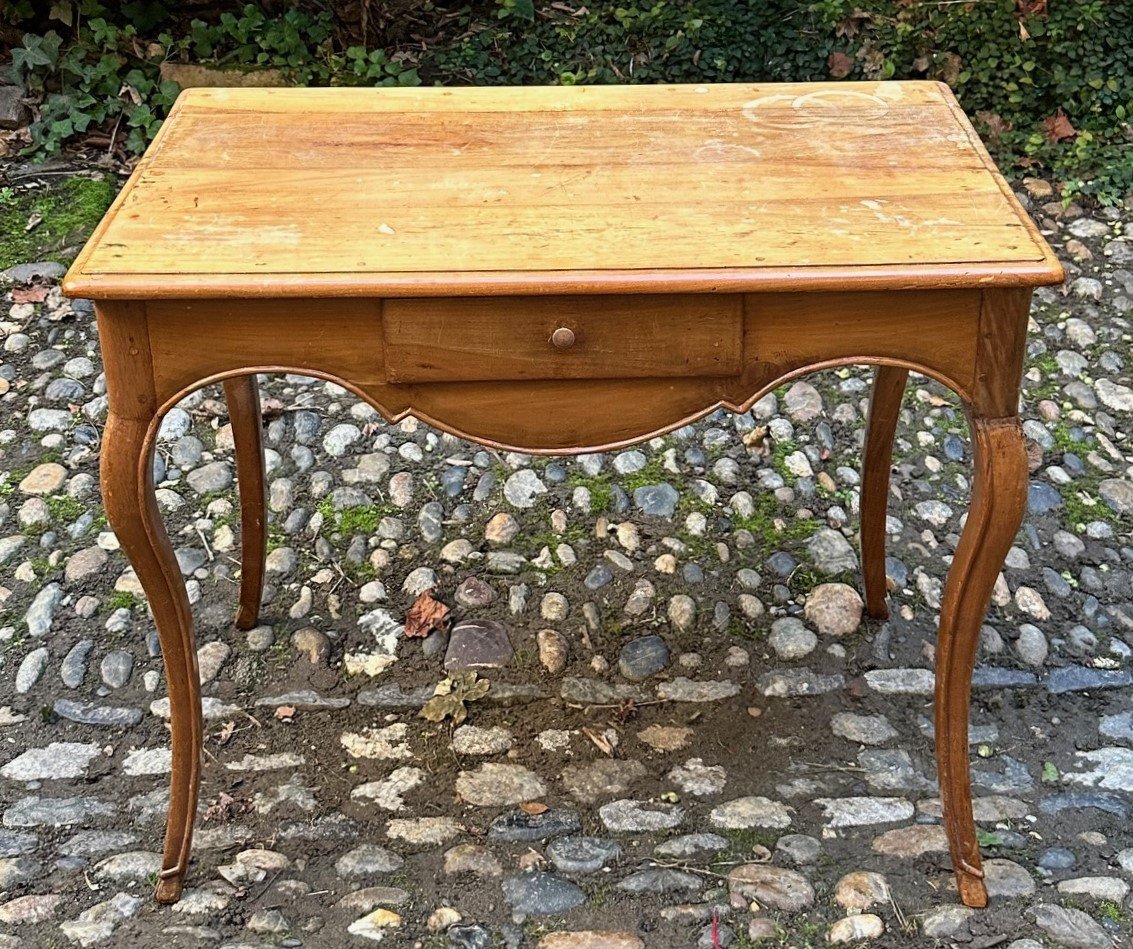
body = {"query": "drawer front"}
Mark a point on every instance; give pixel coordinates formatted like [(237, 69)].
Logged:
[(562, 337)]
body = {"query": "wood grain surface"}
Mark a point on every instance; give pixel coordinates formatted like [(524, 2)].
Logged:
[(379, 192)]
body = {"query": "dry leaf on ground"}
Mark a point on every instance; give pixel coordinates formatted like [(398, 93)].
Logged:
[(425, 615), (451, 694)]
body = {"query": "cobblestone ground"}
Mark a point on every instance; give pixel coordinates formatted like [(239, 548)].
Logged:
[(691, 738)]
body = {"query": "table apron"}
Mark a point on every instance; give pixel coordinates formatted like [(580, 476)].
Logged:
[(724, 350)]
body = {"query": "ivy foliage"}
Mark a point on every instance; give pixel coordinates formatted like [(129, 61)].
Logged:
[(1048, 82)]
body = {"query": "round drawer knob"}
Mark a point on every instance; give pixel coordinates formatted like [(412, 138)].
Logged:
[(562, 338)]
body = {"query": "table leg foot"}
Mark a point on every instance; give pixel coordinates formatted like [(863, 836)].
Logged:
[(169, 888), (131, 508), (243, 397), (999, 496), (877, 457)]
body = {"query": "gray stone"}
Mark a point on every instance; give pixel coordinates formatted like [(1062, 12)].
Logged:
[(948, 922), (747, 812), (1085, 678), (15, 844), (692, 845), (541, 894), (215, 476), (306, 699), (84, 564), (581, 855), (31, 669), (864, 811), (901, 681), (57, 760), (368, 860), (131, 865), (391, 695), (831, 553), (682, 689), (772, 887), (799, 849), (116, 668), (518, 825), (523, 487), (56, 811), (105, 716), (864, 729), (581, 691), (338, 440), (1118, 494), (1070, 928), (74, 666), (42, 610), (788, 683), (1112, 771), (791, 639), (656, 500), (802, 402), (493, 785), (1031, 645), (696, 778), (475, 740), (603, 777), (627, 817), (641, 658)]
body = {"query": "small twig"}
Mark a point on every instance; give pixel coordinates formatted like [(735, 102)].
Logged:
[(582, 707), (690, 869), (841, 769), (204, 540), (114, 135)]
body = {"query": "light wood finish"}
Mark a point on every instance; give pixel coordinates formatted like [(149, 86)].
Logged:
[(877, 457), (999, 497), (127, 455), (784, 335), (600, 337), (243, 397), (381, 192), (565, 270)]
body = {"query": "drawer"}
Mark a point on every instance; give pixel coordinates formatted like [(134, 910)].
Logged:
[(562, 337)]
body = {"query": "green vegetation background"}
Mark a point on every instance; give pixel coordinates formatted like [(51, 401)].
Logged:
[(1048, 82)]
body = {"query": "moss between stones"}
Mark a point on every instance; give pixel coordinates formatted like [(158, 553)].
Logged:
[(69, 210)]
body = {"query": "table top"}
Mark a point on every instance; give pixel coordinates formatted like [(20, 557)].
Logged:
[(576, 189)]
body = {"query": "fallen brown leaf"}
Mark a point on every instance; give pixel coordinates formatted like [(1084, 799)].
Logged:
[(1057, 128), (993, 123), (839, 65), (31, 294), (425, 615)]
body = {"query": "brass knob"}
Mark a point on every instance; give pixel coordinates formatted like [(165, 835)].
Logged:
[(562, 338)]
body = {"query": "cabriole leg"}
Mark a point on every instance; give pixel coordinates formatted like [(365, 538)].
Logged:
[(243, 397), (877, 457), (131, 508), (999, 496)]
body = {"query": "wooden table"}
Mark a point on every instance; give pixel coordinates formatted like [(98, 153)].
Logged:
[(560, 270)]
